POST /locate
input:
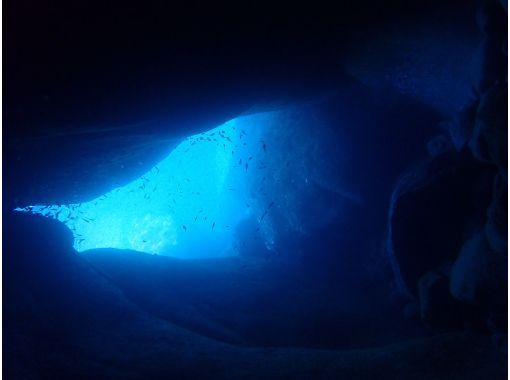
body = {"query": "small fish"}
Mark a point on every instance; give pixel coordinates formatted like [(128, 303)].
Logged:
[(214, 223), (264, 146), (249, 158), (246, 166), (184, 227), (240, 161)]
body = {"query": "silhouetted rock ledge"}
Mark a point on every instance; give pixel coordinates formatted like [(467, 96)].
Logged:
[(100, 333)]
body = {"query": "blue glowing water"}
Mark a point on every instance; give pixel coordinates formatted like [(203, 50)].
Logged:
[(186, 206)]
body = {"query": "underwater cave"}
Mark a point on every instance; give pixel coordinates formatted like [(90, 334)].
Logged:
[(193, 198), (291, 193)]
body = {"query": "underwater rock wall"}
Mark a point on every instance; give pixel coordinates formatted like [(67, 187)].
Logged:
[(329, 167), (448, 216), (298, 188)]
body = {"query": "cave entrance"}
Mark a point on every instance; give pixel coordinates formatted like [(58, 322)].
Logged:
[(186, 206)]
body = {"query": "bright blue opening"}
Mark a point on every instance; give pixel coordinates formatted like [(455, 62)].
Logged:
[(186, 206)]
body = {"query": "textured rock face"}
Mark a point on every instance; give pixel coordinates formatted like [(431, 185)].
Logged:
[(460, 128), (479, 275), (437, 306), (434, 209), (449, 238), (496, 228), (439, 145), (489, 139), (451, 212)]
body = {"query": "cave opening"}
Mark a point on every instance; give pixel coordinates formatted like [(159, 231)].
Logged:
[(188, 205)]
